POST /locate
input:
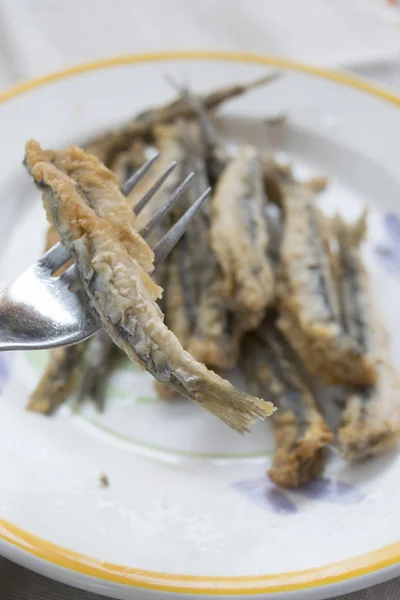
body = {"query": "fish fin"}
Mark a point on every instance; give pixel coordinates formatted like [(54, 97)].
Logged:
[(355, 231), (238, 409), (317, 184), (269, 78)]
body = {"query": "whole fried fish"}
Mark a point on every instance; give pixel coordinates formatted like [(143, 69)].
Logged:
[(300, 431), (240, 237), (307, 294), (371, 416), (116, 284), (215, 333), (196, 307)]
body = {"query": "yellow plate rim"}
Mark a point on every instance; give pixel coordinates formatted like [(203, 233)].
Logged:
[(333, 573)]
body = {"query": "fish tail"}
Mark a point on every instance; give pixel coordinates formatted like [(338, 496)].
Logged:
[(238, 409), (358, 230), (355, 232), (260, 81), (317, 184)]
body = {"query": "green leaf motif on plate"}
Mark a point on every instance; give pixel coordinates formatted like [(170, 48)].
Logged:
[(146, 400)]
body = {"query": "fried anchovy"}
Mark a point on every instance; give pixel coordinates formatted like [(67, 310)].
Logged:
[(299, 429), (101, 348), (371, 415), (108, 145), (307, 294), (98, 359), (216, 154), (116, 287), (194, 269), (59, 379), (240, 237), (99, 352), (127, 162), (274, 173)]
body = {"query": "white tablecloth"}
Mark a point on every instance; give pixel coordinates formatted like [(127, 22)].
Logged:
[(38, 36)]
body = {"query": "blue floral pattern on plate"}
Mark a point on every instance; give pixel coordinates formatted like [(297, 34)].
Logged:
[(388, 253), (264, 493), (331, 490), (5, 368)]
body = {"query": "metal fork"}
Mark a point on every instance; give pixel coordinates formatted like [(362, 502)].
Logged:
[(40, 311)]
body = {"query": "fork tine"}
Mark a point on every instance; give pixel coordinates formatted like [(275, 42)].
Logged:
[(170, 239), (154, 188), (159, 215), (54, 258), (69, 276), (130, 183)]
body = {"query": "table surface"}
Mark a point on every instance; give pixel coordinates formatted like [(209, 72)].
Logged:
[(43, 36)]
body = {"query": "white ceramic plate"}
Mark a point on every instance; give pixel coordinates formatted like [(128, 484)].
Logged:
[(189, 508)]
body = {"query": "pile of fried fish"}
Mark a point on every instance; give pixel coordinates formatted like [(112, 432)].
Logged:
[(284, 297)]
